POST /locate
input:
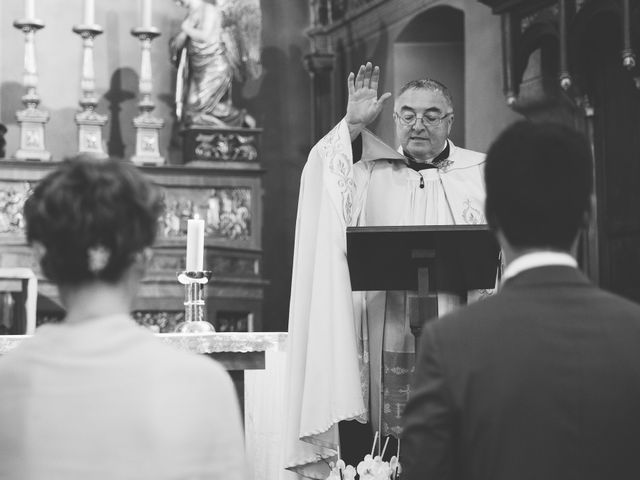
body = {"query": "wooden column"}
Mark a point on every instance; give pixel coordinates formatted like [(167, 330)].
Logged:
[(320, 66)]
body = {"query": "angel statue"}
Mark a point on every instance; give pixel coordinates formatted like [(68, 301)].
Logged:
[(219, 41)]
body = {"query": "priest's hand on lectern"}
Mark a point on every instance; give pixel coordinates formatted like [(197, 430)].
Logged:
[(363, 105)]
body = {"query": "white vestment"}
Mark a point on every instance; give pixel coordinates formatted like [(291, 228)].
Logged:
[(332, 331)]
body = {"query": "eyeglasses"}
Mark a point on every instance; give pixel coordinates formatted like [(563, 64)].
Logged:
[(409, 119)]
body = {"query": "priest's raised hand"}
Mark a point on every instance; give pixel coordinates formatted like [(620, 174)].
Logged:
[(363, 105)]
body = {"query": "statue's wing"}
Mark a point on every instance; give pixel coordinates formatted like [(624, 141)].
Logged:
[(232, 45), (243, 20)]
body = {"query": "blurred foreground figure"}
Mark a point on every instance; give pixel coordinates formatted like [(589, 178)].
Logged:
[(542, 380), (97, 396)]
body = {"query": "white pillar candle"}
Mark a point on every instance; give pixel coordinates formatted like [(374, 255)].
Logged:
[(146, 13), (195, 245), (89, 12), (29, 9)]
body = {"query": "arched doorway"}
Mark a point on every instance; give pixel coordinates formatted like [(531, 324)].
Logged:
[(432, 45)]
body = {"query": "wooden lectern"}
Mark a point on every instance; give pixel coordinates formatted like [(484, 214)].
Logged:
[(426, 259)]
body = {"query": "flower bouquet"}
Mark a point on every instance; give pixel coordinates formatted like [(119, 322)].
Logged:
[(370, 468)]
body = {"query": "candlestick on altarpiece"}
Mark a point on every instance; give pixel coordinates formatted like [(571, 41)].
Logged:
[(89, 121), (147, 125), (195, 283), (32, 118)]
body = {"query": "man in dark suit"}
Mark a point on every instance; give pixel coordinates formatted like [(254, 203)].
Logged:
[(542, 380)]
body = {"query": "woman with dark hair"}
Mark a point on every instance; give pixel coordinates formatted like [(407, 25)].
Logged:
[(97, 396)]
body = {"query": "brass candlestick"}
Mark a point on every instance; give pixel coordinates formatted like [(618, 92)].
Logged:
[(194, 302), (146, 124), (32, 118), (89, 121)]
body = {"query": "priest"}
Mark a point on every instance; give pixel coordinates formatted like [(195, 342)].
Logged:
[(351, 354)]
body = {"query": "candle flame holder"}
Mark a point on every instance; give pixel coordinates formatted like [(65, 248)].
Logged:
[(195, 283), (32, 119), (146, 124), (89, 121)]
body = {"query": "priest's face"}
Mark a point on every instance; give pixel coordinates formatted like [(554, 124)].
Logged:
[(423, 122)]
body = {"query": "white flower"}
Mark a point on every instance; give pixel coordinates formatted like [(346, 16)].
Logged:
[(366, 468), (349, 473), (381, 470), (394, 464)]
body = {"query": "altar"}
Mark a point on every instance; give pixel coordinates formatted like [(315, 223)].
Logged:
[(256, 363), (238, 352)]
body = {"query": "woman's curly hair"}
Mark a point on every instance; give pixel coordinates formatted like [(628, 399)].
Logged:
[(89, 205)]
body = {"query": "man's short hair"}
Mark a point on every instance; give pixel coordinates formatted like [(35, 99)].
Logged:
[(428, 84), (539, 181)]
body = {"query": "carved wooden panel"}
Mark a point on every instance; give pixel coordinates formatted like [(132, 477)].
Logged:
[(230, 202), (12, 197)]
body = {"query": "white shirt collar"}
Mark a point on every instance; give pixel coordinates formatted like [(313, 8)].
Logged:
[(538, 259)]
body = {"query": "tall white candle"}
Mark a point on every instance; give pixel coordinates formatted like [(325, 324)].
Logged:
[(195, 245), (29, 9), (89, 12), (145, 6)]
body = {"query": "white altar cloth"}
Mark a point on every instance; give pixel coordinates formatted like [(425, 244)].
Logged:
[(240, 342)]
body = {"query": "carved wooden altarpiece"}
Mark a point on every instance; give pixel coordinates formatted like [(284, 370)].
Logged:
[(226, 195)]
